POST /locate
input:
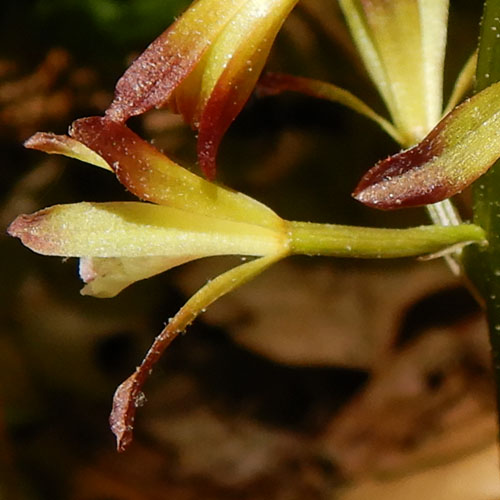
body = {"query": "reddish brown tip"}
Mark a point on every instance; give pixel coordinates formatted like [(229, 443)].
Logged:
[(28, 229), (402, 180), (122, 415), (39, 141)]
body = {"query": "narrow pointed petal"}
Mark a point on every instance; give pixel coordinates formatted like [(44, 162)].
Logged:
[(107, 277), (135, 229), (153, 76), (402, 45), (274, 83), (66, 146), (152, 176), (232, 69), (127, 395), (456, 152)]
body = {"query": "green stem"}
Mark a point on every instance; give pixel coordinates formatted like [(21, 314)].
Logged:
[(365, 242), (444, 213), (483, 265)]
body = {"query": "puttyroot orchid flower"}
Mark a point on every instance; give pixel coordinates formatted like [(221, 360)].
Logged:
[(204, 66), (183, 217), (402, 44)]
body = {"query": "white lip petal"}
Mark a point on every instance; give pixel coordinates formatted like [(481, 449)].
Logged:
[(107, 277)]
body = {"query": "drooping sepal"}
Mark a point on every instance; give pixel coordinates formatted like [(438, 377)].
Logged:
[(129, 393)]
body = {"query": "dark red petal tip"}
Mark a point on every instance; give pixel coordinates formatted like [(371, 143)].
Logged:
[(404, 179)]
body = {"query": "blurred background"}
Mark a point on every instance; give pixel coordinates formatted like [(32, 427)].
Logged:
[(321, 379)]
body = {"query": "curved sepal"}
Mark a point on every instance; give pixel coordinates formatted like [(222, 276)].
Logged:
[(231, 70), (456, 152), (275, 83), (153, 177), (129, 393), (66, 146), (154, 75), (205, 67)]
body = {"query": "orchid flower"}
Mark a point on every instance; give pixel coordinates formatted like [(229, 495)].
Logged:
[(402, 45), (184, 217), (205, 66)]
